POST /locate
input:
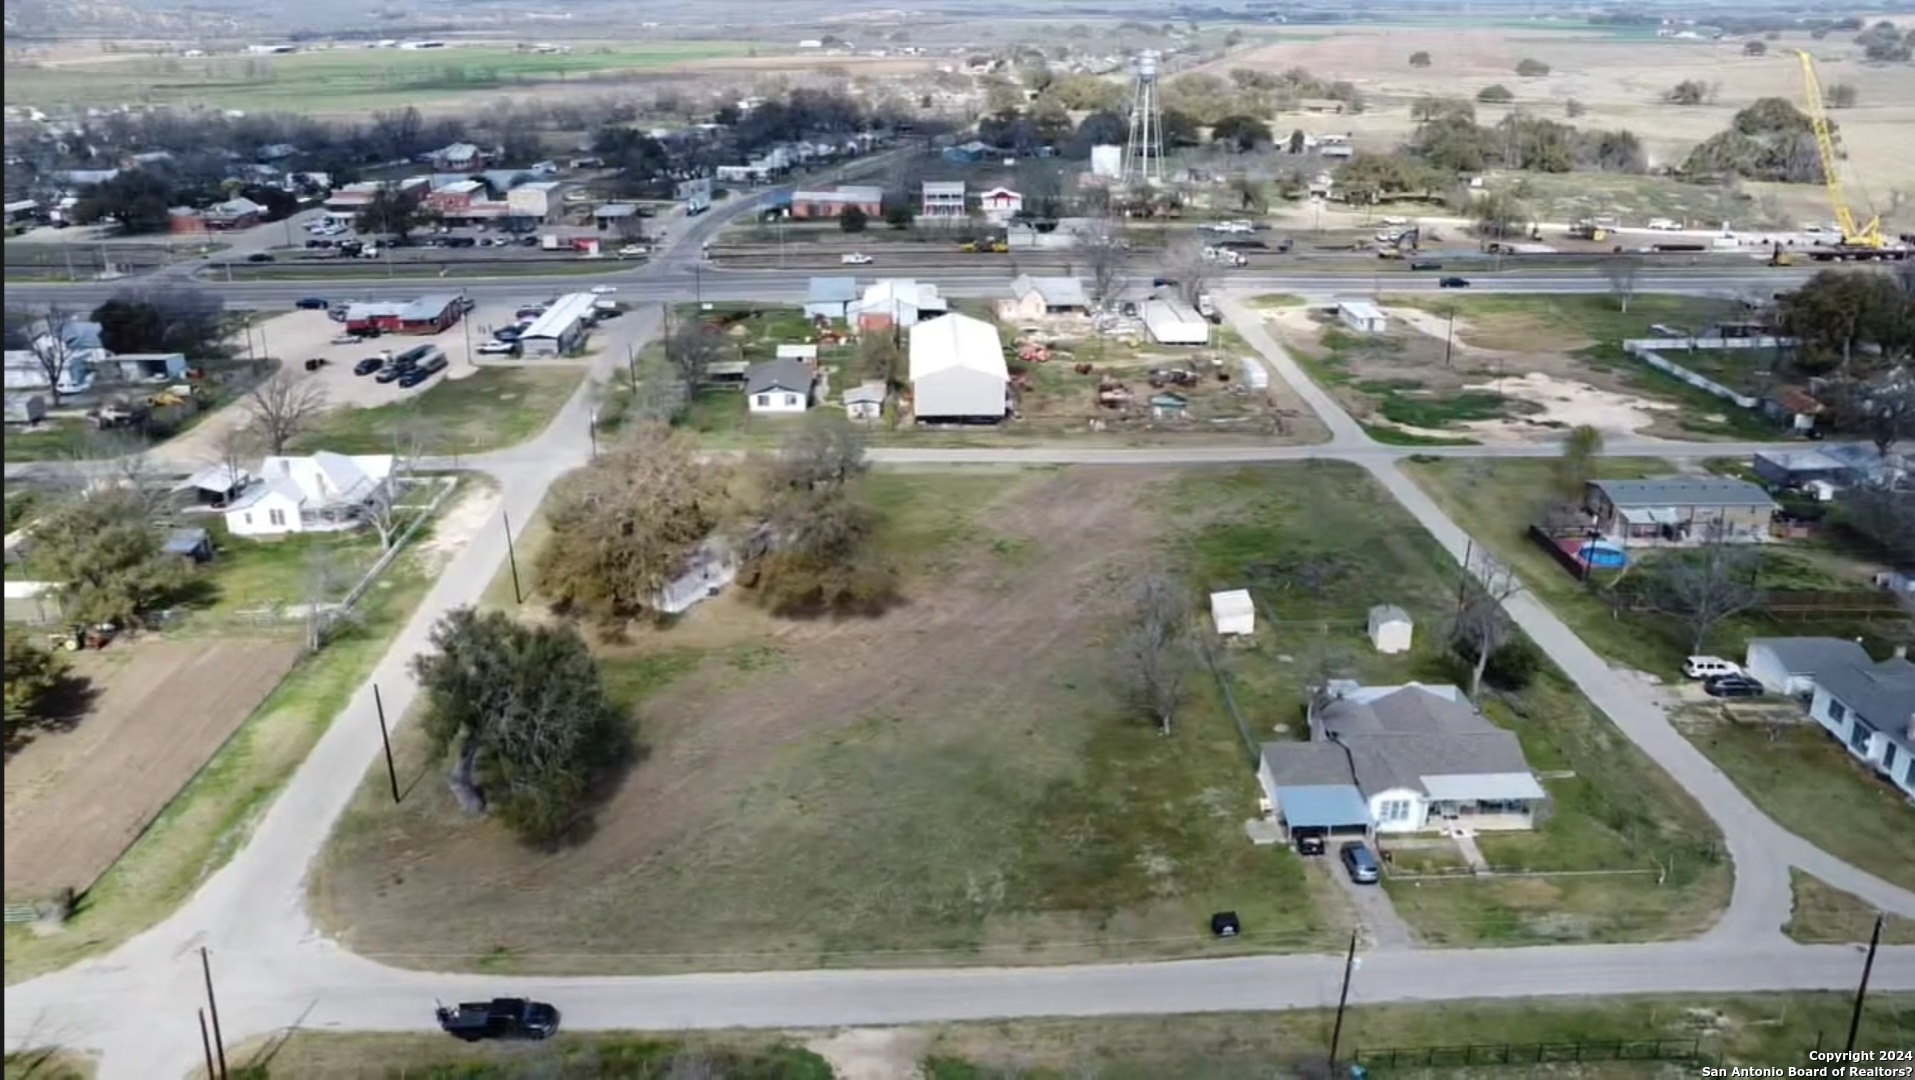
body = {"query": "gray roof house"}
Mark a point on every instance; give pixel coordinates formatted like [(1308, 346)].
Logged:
[(1677, 508), (782, 385), (1788, 665), (1035, 297), (1870, 708), (828, 297), (1415, 757)]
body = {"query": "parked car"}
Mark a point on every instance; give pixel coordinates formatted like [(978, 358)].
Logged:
[(1709, 667), (1163, 283), (1733, 686), (1453, 283), (509, 333), (312, 303), (498, 348), (632, 251), (855, 258), (1360, 863), (1425, 264), (500, 1018), (1308, 841), (259, 257), (601, 290), (345, 339), (390, 373), (369, 365)]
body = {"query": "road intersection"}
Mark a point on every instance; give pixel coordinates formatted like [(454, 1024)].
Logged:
[(276, 970)]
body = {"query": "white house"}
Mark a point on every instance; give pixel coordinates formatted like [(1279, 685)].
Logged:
[(896, 303), (1390, 629), (1363, 317), (1870, 709), (1001, 204), (865, 401), (1234, 612), (957, 370), (1399, 759), (1788, 665), (779, 386), (944, 199), (325, 492)]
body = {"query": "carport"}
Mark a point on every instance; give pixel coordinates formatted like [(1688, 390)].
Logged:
[(1323, 809)]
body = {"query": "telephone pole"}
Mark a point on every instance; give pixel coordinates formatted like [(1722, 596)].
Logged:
[(212, 1008), (1343, 1001), (1861, 992)]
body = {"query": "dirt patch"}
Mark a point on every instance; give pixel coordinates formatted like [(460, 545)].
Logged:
[(75, 799), (873, 1053), (470, 511)]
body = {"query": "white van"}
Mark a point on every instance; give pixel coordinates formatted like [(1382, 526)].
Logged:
[(1709, 667)]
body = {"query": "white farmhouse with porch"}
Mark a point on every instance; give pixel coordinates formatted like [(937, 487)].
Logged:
[(324, 492)]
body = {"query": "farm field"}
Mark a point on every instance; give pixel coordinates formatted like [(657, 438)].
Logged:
[(158, 710), (1755, 1029), (1006, 808), (210, 817), (1620, 79), (1793, 776), (1456, 369), (339, 79)]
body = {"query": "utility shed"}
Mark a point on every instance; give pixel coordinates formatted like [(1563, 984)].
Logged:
[(1172, 322), (1233, 612), (1255, 375), (1363, 317), (1390, 629), (958, 370)]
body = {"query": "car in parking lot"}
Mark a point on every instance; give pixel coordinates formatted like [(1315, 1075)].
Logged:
[(1733, 686), (498, 348), (345, 339), (421, 373), (1453, 283), (1360, 863), (391, 373), (369, 365)]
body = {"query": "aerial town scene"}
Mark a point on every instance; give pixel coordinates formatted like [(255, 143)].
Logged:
[(964, 542)]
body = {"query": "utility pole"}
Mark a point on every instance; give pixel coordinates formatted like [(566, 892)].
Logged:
[(212, 1008), (512, 557), (1462, 583), (206, 1045), (1343, 1001), (385, 738), (1861, 992), (1449, 337)]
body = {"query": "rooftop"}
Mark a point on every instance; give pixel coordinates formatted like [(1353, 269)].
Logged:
[(1664, 491), (786, 373), (831, 290), (561, 316), (1056, 291), (1809, 655), (1882, 694), (844, 193)]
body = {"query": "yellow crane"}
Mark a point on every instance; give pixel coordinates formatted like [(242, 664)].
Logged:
[(1853, 235)]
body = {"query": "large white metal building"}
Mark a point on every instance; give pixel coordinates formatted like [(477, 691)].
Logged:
[(958, 370), (561, 328), (1173, 322)]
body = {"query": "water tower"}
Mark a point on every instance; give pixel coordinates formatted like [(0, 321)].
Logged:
[(1144, 149)]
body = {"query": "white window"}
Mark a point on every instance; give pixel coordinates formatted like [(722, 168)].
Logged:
[(249, 517), (764, 401), (1393, 810), (276, 517), (791, 401)]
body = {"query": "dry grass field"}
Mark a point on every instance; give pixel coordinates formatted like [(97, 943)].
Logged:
[(159, 709), (1621, 79)]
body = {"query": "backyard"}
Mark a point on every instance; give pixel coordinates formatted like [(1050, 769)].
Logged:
[(1463, 369), (1754, 1029), (237, 770), (489, 409), (1793, 774), (1312, 548)]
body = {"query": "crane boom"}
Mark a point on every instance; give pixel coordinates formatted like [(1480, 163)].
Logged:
[(1869, 235)]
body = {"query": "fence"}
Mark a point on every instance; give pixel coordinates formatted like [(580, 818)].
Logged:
[(1687, 1050), (1250, 746), (1649, 351)]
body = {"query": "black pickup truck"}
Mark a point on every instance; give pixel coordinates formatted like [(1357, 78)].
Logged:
[(500, 1018)]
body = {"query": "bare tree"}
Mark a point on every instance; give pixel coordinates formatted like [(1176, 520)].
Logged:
[(1882, 409), (1703, 587), (1105, 250), (691, 350), (827, 451), (51, 353), (1622, 272), (1482, 626), (1189, 267), (232, 451), (326, 583), (282, 407), (1156, 650)]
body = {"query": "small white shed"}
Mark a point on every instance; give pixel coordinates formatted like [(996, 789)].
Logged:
[(1390, 629), (1255, 375), (1363, 317), (1233, 612)]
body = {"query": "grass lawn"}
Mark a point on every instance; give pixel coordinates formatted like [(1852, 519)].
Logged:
[(1756, 1029), (1795, 778), (1825, 914), (256, 576), (492, 408), (343, 78), (48, 1065), (1317, 545), (58, 438), (212, 816), (957, 782)]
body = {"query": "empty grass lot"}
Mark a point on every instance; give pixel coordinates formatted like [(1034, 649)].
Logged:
[(213, 815), (956, 782), (492, 408), (1317, 545), (1795, 778), (335, 79), (1757, 1029), (1825, 914)]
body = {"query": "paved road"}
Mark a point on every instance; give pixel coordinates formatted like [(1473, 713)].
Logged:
[(274, 969)]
